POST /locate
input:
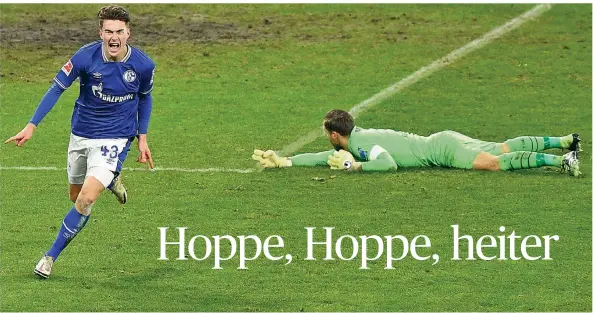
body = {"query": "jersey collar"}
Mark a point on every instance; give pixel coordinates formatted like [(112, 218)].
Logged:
[(354, 130), (125, 59)]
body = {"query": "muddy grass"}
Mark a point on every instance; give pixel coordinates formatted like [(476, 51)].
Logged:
[(145, 30)]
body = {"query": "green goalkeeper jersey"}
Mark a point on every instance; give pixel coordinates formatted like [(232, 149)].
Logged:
[(392, 148), (385, 149)]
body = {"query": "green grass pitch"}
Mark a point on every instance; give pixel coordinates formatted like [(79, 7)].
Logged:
[(235, 77)]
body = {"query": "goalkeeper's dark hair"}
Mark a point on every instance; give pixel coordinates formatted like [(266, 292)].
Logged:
[(339, 121), (113, 12)]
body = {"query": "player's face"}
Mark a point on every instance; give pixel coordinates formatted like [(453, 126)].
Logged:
[(115, 35), (333, 138)]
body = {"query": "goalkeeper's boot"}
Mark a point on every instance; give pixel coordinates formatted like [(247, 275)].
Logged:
[(576, 143), (43, 268), (570, 164), (571, 142), (119, 190)]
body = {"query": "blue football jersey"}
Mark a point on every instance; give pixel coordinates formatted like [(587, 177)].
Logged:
[(107, 106)]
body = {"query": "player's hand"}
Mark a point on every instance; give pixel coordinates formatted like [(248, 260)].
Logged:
[(145, 155), (23, 136), (341, 160), (269, 159)]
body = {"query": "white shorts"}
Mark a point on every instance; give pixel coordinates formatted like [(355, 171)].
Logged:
[(100, 158)]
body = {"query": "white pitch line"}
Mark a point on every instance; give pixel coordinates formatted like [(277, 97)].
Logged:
[(156, 169), (424, 72), (31, 168)]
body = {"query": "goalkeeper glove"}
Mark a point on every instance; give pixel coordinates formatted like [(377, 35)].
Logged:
[(341, 160), (269, 159)]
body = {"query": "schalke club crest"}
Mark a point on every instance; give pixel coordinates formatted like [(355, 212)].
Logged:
[(129, 76)]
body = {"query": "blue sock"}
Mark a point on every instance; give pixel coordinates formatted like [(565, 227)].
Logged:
[(72, 224)]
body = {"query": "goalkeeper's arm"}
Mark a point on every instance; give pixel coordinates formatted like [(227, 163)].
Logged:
[(269, 159), (379, 160), (380, 164), (311, 159)]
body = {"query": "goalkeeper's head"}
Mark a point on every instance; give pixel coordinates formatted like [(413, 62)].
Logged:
[(338, 125)]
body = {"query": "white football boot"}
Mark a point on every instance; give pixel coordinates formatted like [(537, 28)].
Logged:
[(119, 190), (570, 163), (43, 268)]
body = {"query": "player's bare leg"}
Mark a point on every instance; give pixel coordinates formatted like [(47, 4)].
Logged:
[(72, 224), (486, 162), (74, 190)]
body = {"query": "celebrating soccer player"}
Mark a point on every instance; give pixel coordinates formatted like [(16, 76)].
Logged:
[(113, 107), (385, 149)]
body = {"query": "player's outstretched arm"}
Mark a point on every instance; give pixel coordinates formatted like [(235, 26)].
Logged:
[(21, 137), (269, 159), (311, 159), (45, 105)]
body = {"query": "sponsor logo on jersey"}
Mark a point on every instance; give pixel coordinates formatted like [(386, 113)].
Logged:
[(67, 68), (98, 92), (97, 75), (129, 76)]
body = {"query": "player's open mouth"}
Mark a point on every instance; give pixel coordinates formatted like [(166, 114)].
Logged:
[(113, 47)]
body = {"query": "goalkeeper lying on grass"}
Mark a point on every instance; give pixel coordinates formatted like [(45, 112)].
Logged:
[(384, 149)]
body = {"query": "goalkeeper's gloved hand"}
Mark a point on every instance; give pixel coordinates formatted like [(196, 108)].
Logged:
[(269, 159), (341, 160)]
